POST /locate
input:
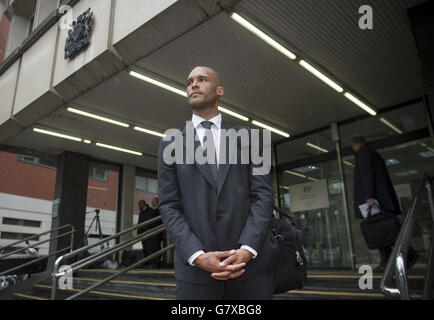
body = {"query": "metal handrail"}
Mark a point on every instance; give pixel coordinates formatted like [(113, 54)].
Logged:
[(107, 252), (36, 244), (400, 250)]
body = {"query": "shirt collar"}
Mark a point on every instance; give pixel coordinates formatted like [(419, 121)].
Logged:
[(217, 120)]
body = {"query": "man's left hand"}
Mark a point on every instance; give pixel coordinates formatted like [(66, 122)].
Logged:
[(240, 256)]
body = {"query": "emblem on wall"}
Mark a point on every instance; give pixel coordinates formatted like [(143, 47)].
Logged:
[(79, 35)]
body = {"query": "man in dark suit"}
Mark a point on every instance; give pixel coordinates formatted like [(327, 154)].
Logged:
[(150, 245), (217, 214), (372, 182)]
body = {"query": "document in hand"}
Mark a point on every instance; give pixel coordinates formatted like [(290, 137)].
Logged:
[(364, 209)]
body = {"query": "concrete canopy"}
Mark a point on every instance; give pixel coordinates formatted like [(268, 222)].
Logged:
[(380, 66)]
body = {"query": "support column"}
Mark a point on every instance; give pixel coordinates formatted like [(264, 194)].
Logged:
[(422, 22), (127, 199), (70, 198)]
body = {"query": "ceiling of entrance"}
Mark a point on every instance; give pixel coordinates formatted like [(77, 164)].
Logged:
[(380, 66)]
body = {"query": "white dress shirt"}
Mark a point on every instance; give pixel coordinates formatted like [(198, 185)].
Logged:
[(216, 133)]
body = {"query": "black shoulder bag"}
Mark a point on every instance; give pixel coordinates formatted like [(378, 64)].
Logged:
[(291, 271), (380, 230)]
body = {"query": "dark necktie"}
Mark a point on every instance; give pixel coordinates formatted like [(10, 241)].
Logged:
[(208, 133)]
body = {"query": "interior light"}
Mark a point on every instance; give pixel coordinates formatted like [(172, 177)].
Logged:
[(155, 133), (246, 24), (262, 125), (118, 149), (360, 104), (94, 116), (321, 76), (56, 134)]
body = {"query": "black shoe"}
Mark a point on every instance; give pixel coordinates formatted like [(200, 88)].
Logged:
[(411, 258)]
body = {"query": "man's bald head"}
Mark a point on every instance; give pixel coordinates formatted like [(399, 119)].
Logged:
[(210, 72), (204, 88)]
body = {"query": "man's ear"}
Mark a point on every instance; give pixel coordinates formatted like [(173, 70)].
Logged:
[(220, 91)]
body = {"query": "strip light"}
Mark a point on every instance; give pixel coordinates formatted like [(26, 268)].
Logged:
[(360, 104), (59, 135), (262, 125), (301, 175), (246, 24), (155, 133), (316, 147), (158, 83), (233, 114), (118, 149), (94, 116), (387, 123), (321, 76)]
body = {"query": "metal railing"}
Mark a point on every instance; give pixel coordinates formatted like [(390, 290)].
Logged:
[(105, 253), (36, 236), (397, 260)]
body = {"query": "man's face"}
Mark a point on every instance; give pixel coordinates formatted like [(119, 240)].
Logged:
[(141, 205), (355, 147), (203, 89), (154, 203)]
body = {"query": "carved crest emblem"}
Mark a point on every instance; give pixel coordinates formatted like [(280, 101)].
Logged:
[(79, 34)]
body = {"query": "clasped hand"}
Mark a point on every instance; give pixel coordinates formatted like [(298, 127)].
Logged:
[(231, 267)]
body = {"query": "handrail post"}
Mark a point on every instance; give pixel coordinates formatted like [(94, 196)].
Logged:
[(401, 277), (54, 278)]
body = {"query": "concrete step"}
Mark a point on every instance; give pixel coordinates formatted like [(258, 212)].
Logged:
[(147, 284)]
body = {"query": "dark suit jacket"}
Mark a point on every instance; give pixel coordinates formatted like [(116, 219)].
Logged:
[(371, 180), (145, 215), (203, 215)]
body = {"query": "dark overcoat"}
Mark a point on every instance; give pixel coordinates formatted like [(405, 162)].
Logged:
[(371, 180)]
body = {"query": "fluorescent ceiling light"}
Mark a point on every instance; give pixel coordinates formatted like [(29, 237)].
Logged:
[(155, 133), (246, 24), (301, 175), (312, 179), (348, 163), (87, 141), (158, 83), (321, 76), (233, 114), (387, 123), (360, 104), (262, 125), (118, 149), (295, 173), (91, 115), (59, 135), (316, 147)]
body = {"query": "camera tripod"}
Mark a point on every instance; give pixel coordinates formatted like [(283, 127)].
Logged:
[(97, 227)]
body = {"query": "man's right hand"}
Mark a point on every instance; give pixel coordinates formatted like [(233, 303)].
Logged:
[(211, 262)]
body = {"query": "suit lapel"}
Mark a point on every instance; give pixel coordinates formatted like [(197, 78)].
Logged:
[(204, 169)]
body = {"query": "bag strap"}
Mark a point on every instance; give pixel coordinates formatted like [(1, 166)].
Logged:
[(285, 215)]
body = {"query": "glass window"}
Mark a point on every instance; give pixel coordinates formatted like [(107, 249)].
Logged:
[(38, 161), (407, 163), (313, 196), (384, 125), (305, 147), (98, 173)]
